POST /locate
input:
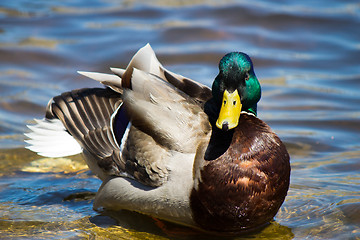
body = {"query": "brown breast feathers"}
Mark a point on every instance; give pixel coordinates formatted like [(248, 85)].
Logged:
[(243, 188)]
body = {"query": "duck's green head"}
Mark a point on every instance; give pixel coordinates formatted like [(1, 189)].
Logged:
[(235, 89)]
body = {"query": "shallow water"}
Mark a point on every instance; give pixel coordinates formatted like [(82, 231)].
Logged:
[(306, 55)]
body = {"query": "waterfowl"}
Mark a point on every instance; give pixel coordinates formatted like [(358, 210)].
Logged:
[(172, 148)]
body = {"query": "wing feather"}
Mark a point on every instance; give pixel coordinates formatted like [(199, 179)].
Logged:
[(165, 113), (86, 114), (165, 110)]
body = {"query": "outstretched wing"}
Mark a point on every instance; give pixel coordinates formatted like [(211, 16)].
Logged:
[(146, 60), (86, 115), (133, 128), (172, 118)]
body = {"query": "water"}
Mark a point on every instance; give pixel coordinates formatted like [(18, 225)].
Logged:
[(306, 55)]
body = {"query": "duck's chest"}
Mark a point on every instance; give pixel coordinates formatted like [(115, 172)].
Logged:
[(245, 186)]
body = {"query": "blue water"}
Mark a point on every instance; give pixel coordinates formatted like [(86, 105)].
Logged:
[(306, 56)]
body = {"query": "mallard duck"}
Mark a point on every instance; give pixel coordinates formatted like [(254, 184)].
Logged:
[(172, 148)]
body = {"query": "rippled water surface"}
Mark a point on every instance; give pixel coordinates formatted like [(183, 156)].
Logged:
[(306, 55)]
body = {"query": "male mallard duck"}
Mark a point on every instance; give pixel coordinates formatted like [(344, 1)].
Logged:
[(172, 148)]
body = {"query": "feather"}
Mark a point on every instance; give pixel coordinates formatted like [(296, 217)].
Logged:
[(49, 138), (118, 71), (172, 118), (111, 80), (145, 60)]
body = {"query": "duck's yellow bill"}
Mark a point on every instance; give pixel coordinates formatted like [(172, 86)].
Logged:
[(230, 111)]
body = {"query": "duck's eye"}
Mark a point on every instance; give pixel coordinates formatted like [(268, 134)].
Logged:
[(234, 102), (224, 102), (247, 76)]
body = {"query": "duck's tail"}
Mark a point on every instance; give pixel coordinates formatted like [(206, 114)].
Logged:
[(49, 138)]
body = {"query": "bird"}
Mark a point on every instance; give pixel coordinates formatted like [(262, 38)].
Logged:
[(172, 148)]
